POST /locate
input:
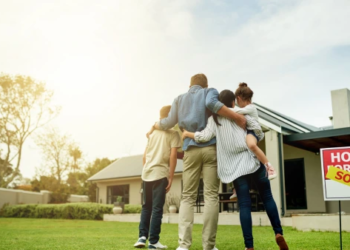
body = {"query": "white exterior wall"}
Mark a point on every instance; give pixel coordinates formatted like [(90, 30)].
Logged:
[(73, 198), (176, 187), (272, 153), (313, 182), (341, 108), (134, 188), (333, 206), (16, 196), (8, 196)]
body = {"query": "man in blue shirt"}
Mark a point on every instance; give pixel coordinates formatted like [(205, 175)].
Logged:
[(191, 111)]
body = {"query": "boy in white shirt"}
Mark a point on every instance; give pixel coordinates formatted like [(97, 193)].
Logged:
[(159, 162)]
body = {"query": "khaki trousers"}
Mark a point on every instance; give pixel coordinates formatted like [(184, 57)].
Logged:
[(199, 161)]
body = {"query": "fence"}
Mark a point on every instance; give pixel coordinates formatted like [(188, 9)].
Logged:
[(15, 196)]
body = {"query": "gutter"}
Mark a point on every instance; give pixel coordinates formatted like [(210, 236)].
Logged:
[(280, 159)]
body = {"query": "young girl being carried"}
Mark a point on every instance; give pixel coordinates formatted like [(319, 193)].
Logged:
[(244, 97)]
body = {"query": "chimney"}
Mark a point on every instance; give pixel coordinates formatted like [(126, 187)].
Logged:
[(341, 108)]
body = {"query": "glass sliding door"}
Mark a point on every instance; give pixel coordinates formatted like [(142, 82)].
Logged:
[(120, 190)]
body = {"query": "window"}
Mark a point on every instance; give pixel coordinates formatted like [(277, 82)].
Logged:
[(120, 190), (294, 176)]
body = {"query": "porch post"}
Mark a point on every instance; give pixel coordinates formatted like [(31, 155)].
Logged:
[(273, 148)]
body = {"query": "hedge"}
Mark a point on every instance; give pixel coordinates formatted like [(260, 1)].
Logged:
[(132, 209), (81, 211)]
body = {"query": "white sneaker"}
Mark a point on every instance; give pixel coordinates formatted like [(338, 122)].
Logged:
[(180, 248), (215, 248), (156, 246), (141, 243)]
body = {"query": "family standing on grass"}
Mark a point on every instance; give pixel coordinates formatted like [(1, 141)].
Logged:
[(221, 146)]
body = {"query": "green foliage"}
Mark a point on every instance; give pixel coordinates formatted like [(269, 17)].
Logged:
[(132, 209), (2, 209), (25, 105), (92, 169), (60, 191), (43, 183), (119, 198), (82, 211), (59, 195), (76, 182), (55, 147)]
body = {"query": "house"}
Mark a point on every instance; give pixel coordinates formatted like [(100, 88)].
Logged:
[(291, 146), (123, 178)]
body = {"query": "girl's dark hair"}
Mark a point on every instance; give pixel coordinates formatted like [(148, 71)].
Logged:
[(244, 92), (226, 97)]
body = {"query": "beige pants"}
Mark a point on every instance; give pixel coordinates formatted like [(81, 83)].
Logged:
[(196, 161)]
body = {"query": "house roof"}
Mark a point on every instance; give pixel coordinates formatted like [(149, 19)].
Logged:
[(126, 167), (314, 141), (282, 123), (302, 135)]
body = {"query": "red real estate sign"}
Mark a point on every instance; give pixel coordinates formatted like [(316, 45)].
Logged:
[(336, 173)]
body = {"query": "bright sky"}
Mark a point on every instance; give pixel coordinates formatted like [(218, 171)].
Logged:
[(113, 64)]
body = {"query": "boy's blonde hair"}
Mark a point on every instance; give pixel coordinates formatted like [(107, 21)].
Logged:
[(164, 111)]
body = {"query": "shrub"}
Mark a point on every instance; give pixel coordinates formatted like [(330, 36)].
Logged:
[(82, 211), (171, 199), (2, 209), (132, 209)]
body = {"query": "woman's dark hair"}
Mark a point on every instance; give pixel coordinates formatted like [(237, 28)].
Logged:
[(226, 97)]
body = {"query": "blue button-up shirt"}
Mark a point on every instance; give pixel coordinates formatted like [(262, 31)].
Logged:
[(191, 111)]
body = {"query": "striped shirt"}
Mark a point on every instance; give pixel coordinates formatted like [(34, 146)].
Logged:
[(234, 157)]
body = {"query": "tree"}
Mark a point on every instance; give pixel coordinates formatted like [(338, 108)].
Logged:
[(55, 147), (59, 191), (92, 169), (76, 154), (76, 183), (43, 183), (25, 105)]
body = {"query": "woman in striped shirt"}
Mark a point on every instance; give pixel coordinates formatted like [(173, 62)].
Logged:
[(244, 97), (237, 164)]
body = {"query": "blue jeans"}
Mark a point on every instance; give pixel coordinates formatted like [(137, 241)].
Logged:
[(262, 183), (152, 209)]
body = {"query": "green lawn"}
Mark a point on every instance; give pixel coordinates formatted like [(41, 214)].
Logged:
[(84, 234)]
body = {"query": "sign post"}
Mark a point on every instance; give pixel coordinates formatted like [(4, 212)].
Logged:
[(336, 177)]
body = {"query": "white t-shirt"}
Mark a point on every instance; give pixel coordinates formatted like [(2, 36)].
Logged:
[(158, 151), (251, 110)]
